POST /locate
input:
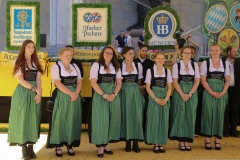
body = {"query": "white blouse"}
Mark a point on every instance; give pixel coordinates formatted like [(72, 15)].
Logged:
[(149, 75), (95, 67), (182, 69), (55, 71), (212, 69), (140, 70), (19, 72)]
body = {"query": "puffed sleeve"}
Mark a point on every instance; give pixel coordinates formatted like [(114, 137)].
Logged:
[(140, 71), (203, 69), (55, 73), (175, 71), (148, 77), (94, 71), (78, 71), (196, 70), (169, 77), (227, 70), (19, 72), (119, 74)]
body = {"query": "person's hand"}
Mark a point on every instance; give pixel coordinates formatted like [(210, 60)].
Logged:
[(163, 102), (37, 98), (220, 94), (188, 37), (158, 101), (118, 45), (185, 97), (111, 97), (73, 96), (142, 87), (215, 94), (105, 96), (176, 46)]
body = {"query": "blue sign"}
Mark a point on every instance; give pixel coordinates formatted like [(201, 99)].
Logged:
[(235, 17), (162, 25), (22, 19)]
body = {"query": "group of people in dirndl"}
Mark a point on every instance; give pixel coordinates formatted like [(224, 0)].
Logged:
[(123, 109)]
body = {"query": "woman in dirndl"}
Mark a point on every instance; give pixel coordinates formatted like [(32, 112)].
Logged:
[(159, 87), (25, 112), (215, 78), (67, 112), (184, 102), (132, 101), (106, 80)]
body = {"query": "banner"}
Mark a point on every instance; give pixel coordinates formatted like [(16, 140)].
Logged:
[(10, 57), (161, 24), (23, 23), (168, 56), (91, 24), (87, 54)]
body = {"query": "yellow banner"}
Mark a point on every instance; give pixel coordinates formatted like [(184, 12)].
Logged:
[(10, 57), (87, 54), (168, 55)]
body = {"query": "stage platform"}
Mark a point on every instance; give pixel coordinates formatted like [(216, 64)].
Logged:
[(86, 151)]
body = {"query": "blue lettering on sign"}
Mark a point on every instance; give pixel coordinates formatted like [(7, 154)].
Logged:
[(22, 19), (162, 25)]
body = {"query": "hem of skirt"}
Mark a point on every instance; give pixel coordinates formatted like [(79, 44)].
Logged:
[(147, 143), (206, 135), (19, 144), (131, 139), (182, 139), (73, 144)]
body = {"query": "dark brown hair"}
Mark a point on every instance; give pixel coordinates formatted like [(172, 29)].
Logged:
[(228, 49), (21, 60), (114, 61), (126, 49), (142, 46)]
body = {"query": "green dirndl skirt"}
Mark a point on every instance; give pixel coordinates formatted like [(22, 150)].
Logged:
[(156, 130), (183, 114), (24, 118), (66, 121), (213, 110), (106, 117), (132, 102)]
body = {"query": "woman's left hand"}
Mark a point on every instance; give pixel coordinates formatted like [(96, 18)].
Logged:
[(163, 102), (37, 98), (111, 97)]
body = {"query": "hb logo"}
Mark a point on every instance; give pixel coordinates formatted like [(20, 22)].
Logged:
[(162, 25), (92, 17)]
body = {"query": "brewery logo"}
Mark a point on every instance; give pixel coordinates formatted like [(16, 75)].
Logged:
[(235, 17), (92, 17), (22, 19), (162, 25)]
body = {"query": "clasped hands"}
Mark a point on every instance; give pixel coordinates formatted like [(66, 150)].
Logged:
[(160, 102), (109, 97)]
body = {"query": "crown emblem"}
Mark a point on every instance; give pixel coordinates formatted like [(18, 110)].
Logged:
[(162, 19)]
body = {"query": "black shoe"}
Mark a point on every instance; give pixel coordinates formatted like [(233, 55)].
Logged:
[(58, 154), (135, 147), (181, 148), (156, 149), (206, 147), (217, 148), (128, 146), (100, 155), (31, 152), (25, 153), (188, 148), (70, 153), (161, 149), (108, 152), (234, 134)]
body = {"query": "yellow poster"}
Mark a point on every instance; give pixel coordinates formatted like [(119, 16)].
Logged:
[(22, 24), (10, 57), (92, 24)]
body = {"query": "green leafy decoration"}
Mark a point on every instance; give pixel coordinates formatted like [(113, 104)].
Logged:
[(146, 27), (74, 24), (233, 44), (223, 44), (8, 23)]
